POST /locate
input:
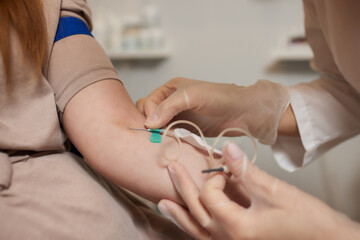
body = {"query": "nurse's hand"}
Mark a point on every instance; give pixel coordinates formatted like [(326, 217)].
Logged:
[(277, 210), (215, 106)]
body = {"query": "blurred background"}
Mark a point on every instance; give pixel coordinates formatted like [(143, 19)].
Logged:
[(232, 41)]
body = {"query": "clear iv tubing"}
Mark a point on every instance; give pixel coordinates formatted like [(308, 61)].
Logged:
[(210, 151)]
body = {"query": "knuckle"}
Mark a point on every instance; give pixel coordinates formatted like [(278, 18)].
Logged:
[(140, 105), (140, 101), (204, 196), (205, 222), (195, 97), (245, 229), (265, 183), (176, 80), (164, 109), (147, 107), (169, 109), (239, 172)]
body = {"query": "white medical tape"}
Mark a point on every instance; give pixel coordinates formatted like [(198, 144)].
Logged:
[(199, 141), (194, 140)]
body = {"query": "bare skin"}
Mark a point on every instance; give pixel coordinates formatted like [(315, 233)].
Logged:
[(288, 125), (97, 121)]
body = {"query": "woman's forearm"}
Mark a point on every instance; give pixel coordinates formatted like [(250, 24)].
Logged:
[(97, 121)]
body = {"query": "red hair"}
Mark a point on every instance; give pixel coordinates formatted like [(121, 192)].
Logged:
[(28, 20)]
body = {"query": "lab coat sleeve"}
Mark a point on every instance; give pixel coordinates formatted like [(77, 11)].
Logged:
[(327, 110)]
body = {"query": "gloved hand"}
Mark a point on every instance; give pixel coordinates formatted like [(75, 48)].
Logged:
[(216, 106), (277, 210)]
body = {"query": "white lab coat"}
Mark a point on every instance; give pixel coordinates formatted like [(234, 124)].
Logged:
[(327, 110)]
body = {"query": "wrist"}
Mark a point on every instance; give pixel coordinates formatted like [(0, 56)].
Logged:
[(340, 226), (288, 125), (346, 228)]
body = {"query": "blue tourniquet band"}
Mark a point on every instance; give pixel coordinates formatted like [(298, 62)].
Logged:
[(69, 26)]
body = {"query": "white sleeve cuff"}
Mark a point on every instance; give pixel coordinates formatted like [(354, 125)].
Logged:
[(322, 121)]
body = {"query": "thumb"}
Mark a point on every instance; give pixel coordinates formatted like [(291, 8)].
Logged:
[(257, 183), (167, 109)]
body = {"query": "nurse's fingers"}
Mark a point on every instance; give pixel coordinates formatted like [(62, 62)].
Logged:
[(183, 219), (174, 104), (170, 99), (189, 192), (148, 105), (257, 183), (157, 96), (217, 202), (140, 105)]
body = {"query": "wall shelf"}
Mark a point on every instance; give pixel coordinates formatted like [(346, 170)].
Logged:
[(138, 55), (292, 52)]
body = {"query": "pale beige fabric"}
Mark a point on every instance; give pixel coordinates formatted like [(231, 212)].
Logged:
[(45, 192), (327, 110), (56, 196)]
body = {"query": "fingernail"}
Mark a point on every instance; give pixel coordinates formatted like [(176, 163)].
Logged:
[(234, 151), (153, 118), (165, 212), (174, 178), (225, 144)]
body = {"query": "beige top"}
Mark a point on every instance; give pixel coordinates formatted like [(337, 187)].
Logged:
[(60, 196), (29, 118)]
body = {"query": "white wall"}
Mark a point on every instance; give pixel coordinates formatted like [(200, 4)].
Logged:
[(229, 41)]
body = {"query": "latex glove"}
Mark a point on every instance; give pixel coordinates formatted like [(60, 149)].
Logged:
[(277, 210), (216, 106)]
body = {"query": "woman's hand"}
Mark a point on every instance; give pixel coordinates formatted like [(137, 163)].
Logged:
[(216, 106), (277, 210)]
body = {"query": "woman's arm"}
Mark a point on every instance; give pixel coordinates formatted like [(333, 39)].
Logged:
[(97, 121)]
